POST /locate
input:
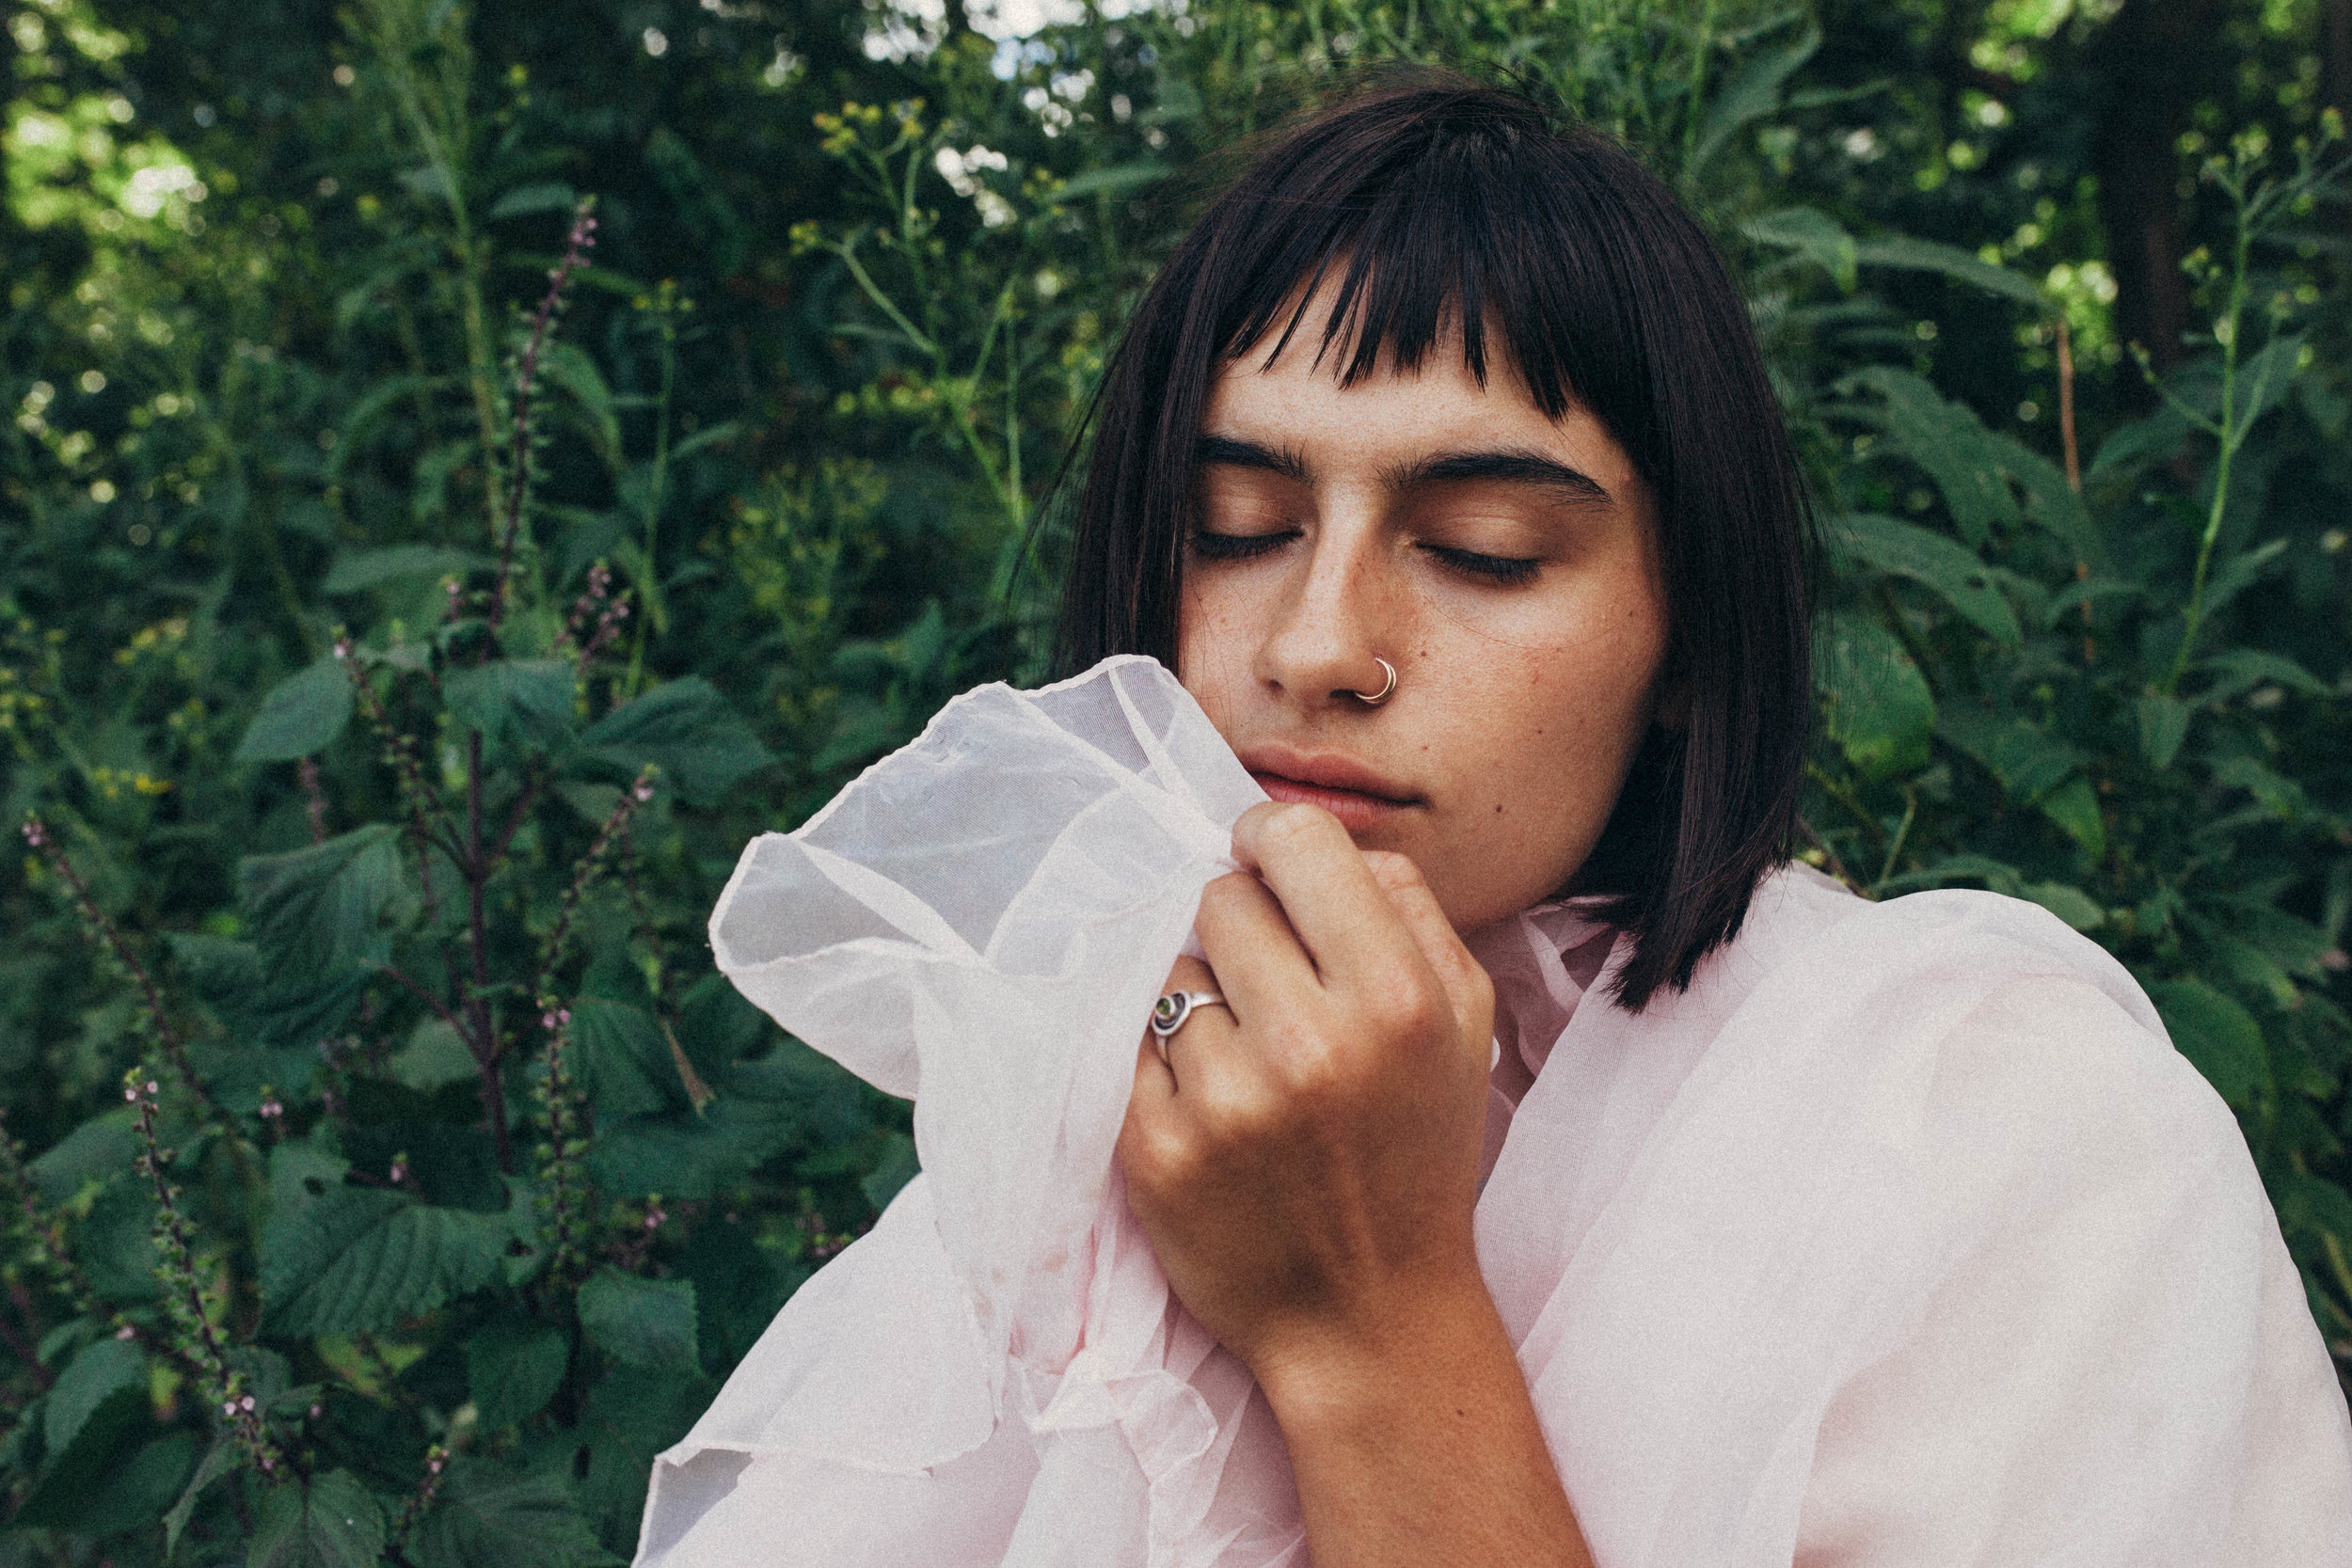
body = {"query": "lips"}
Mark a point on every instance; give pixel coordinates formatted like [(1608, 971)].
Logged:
[(1359, 796)]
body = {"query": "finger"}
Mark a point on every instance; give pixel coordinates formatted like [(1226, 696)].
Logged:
[(1200, 1057), (1259, 965), (1151, 1136), (1467, 989), (1341, 917), (1155, 1083)]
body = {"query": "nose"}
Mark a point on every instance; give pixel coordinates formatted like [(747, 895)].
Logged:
[(1340, 612)]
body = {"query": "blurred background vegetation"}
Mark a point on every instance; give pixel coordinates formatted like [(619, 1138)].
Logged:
[(396, 646)]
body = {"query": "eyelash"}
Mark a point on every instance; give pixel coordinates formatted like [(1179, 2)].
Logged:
[(1505, 571), (1237, 547)]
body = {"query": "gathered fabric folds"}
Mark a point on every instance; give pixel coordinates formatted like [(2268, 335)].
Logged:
[(996, 1372), (1901, 1236)]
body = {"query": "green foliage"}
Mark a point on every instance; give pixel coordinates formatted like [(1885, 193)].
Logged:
[(397, 644), (328, 1521)]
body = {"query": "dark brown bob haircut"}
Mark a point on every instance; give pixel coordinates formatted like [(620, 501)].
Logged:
[(1433, 199)]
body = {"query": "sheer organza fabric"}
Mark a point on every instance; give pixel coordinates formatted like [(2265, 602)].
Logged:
[(1902, 1236)]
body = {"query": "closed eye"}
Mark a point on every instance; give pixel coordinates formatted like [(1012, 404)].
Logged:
[(1503, 569), (1239, 547)]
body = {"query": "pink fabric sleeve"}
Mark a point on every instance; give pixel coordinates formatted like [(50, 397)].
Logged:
[(2122, 1370)]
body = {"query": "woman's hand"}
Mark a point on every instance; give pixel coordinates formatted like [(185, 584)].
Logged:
[(1306, 1167), (1306, 1163)]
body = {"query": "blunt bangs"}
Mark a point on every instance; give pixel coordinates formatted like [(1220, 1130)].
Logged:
[(1435, 203)]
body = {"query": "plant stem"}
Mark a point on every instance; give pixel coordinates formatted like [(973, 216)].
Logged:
[(2231, 434), (183, 1298), (654, 485), (110, 940), (2074, 460), (576, 245), (1895, 851), (484, 1041)]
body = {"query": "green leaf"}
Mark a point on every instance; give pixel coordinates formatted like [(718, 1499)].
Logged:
[(114, 1244), (327, 908), (2070, 904), (1902, 251), (2262, 379), (686, 1155), (2134, 448), (2279, 798), (357, 571), (97, 1151), (547, 195), (137, 1486), (2075, 807), (330, 1522), (633, 1414), (1875, 703), (2163, 725), (1117, 177), (2028, 763), (2238, 669), (2219, 1037), (105, 1406), (489, 1516), (1950, 444), (1946, 567), (223, 1457), (430, 181), (2293, 944), (563, 367), (363, 1259), (302, 714), (686, 729), (622, 1059), (2055, 504), (435, 1054), (104, 1370), (1751, 94), (515, 704), (2311, 1204), (512, 1368), (640, 1322), (304, 1171), (2240, 572), (899, 1166), (1812, 235)]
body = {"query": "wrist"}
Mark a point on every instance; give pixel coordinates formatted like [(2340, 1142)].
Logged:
[(1331, 1376)]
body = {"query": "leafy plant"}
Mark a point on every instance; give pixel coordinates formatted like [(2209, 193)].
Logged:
[(398, 642)]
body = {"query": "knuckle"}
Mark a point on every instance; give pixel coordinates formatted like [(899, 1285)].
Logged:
[(1404, 999), (1314, 1070), (1187, 974), (1227, 893), (1155, 1155), (1293, 823), (1395, 872)]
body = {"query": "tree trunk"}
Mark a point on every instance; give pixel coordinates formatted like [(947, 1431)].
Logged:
[(2153, 62)]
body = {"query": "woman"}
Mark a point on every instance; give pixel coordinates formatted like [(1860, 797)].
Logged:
[(1577, 1181)]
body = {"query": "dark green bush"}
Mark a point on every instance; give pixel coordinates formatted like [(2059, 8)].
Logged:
[(398, 642)]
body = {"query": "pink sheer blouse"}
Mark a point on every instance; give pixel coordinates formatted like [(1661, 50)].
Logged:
[(1902, 1237)]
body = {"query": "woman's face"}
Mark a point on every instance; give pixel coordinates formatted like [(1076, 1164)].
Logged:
[(1504, 562)]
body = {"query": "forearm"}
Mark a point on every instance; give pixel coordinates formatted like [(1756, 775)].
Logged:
[(1421, 1450)]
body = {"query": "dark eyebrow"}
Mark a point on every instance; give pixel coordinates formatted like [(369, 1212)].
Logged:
[(1506, 465), (1232, 454)]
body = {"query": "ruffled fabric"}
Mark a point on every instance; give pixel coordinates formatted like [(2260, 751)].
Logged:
[(981, 923), (1901, 1236)]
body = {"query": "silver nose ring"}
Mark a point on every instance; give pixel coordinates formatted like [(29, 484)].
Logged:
[(1373, 699)]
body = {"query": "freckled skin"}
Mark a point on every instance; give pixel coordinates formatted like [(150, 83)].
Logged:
[(1486, 733)]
